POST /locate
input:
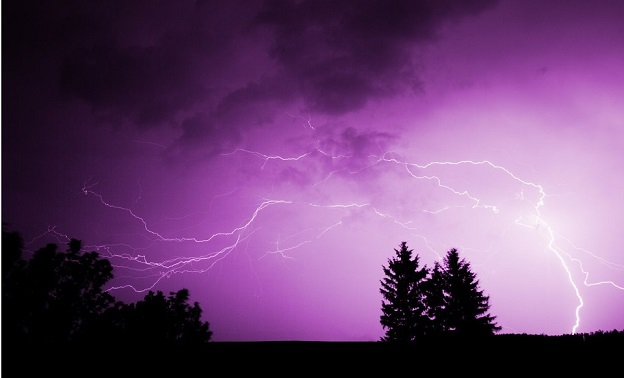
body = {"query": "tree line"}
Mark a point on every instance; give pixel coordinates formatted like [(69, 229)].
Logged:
[(57, 297)]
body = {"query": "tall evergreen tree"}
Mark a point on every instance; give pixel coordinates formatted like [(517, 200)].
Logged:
[(435, 300), (404, 314), (456, 304)]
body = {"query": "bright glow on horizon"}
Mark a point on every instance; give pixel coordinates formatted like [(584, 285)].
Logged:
[(154, 272)]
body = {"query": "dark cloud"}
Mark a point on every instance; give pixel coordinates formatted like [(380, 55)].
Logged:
[(203, 137), (146, 85), (143, 62), (344, 53), (254, 98), (155, 75), (208, 68), (340, 54), (253, 105), (350, 149), (339, 150)]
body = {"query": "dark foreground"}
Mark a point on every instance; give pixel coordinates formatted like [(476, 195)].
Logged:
[(598, 355)]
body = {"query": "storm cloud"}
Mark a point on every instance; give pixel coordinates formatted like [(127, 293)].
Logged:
[(141, 68)]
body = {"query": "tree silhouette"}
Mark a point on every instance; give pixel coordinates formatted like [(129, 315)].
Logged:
[(456, 304), (157, 320), (404, 314), (54, 296), (14, 303), (57, 298)]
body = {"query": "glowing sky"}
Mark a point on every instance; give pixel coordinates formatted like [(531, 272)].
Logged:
[(270, 156)]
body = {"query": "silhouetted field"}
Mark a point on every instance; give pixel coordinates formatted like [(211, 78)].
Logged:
[(597, 354)]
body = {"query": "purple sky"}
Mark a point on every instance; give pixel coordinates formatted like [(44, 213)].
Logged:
[(270, 156)]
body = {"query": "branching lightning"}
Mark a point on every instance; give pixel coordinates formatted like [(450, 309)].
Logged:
[(216, 246)]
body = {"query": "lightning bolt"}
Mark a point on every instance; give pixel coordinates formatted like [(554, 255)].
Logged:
[(217, 246), (538, 222)]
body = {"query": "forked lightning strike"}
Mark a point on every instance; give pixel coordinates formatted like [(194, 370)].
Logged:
[(284, 246)]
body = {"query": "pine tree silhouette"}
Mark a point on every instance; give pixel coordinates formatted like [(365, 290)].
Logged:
[(403, 311), (455, 302)]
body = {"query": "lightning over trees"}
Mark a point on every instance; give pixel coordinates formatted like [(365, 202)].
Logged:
[(404, 316), (55, 298), (444, 301)]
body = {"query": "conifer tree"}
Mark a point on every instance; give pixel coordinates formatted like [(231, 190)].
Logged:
[(456, 304), (404, 314)]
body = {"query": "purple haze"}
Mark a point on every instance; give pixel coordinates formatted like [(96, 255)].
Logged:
[(270, 156)]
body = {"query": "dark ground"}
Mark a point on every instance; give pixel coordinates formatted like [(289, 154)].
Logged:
[(600, 355)]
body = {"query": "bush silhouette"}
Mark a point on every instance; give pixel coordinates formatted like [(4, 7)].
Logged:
[(57, 298)]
